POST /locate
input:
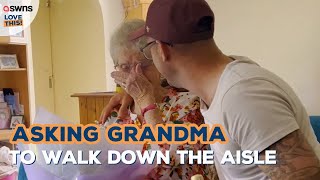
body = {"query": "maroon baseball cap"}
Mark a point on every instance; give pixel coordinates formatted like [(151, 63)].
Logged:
[(178, 21)]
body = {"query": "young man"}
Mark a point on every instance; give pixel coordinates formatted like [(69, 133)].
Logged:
[(258, 110)]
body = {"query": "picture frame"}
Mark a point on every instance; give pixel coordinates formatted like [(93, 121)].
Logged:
[(8, 61), (4, 117), (19, 35), (17, 31), (15, 120)]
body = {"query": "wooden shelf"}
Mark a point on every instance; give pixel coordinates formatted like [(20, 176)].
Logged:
[(10, 70), (12, 40), (17, 79), (94, 94), (145, 1), (137, 12), (5, 134)]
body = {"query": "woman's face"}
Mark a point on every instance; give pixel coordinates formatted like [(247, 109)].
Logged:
[(129, 59)]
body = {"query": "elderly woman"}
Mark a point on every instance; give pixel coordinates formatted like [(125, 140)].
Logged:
[(153, 103)]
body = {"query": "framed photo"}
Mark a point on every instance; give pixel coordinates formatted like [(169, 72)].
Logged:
[(20, 34), (16, 31), (4, 117), (8, 61), (15, 120)]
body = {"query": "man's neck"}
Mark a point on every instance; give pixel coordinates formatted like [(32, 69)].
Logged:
[(202, 78), (159, 93)]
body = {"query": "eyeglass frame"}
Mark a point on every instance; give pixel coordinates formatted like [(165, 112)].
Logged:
[(149, 44), (144, 64)]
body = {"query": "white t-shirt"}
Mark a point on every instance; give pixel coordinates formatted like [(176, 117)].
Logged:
[(256, 109)]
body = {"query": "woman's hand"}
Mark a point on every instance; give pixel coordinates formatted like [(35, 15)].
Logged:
[(141, 90), (136, 85), (120, 99)]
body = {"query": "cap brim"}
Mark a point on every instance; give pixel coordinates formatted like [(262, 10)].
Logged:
[(137, 34)]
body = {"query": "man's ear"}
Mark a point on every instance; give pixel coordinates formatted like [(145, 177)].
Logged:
[(164, 51)]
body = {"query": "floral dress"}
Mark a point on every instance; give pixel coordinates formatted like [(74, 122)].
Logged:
[(178, 108)]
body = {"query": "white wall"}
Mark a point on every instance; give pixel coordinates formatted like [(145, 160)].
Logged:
[(281, 35), (113, 15), (77, 52), (42, 63)]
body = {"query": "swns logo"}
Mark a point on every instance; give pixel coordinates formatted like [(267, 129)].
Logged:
[(15, 19), (16, 16), (17, 9)]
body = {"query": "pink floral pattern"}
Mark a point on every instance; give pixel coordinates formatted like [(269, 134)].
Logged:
[(178, 108)]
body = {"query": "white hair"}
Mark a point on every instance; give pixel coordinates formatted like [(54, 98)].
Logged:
[(120, 43)]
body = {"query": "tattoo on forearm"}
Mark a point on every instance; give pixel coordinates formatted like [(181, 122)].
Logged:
[(295, 159)]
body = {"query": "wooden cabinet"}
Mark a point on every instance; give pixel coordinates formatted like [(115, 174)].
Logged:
[(4, 139), (17, 79), (136, 9), (91, 105), (20, 80), (5, 134)]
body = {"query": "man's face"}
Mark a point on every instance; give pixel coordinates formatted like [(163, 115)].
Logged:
[(164, 61)]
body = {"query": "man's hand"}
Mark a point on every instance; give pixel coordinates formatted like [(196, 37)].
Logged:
[(121, 99), (295, 159)]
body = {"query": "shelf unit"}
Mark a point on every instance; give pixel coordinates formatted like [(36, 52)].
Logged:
[(12, 40), (5, 134), (138, 11), (21, 79), (13, 70)]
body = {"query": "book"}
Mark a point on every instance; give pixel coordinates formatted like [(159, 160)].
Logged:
[(16, 107), (21, 108), (3, 105), (1, 97)]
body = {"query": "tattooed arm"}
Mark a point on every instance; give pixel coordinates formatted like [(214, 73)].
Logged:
[(295, 159)]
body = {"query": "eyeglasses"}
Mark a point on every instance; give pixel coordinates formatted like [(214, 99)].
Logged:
[(126, 67), (146, 50)]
